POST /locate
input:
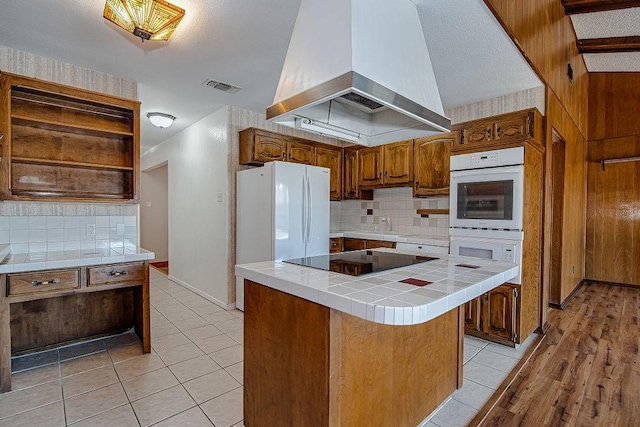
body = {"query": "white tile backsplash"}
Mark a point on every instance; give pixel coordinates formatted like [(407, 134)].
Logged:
[(396, 203), (34, 228)]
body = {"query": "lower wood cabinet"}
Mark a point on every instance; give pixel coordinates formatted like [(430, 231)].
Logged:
[(336, 244), (351, 244), (493, 316)]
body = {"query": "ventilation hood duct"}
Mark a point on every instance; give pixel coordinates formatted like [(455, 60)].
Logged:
[(359, 70)]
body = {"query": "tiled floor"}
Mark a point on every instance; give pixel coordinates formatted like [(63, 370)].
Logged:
[(192, 377)]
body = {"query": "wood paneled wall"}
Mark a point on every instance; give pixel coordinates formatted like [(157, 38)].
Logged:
[(574, 203), (613, 203), (546, 38)]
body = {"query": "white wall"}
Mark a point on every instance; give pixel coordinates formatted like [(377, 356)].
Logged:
[(199, 225), (154, 212)]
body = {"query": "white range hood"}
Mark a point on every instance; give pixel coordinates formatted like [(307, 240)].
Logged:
[(359, 70)]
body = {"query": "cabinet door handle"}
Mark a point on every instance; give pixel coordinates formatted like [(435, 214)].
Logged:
[(290, 156), (284, 156), (1, 135), (118, 273), (417, 184), (44, 282)]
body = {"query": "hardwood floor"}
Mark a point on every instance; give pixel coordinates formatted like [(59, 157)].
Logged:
[(586, 371)]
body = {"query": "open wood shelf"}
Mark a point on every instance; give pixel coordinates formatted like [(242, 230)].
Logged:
[(33, 161), (427, 212), (65, 127), (67, 144)]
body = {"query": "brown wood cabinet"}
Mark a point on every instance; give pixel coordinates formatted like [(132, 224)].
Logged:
[(431, 158), (352, 244), (389, 165), (336, 244), (494, 315), (66, 144), (49, 308), (351, 177), (499, 131), (370, 167), (299, 152), (332, 159), (259, 146)]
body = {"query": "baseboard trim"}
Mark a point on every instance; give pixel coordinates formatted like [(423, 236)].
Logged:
[(202, 294), (602, 282), (568, 299), (501, 390)]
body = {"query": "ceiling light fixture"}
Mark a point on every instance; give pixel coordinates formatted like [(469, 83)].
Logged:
[(147, 19), (327, 129), (161, 120)]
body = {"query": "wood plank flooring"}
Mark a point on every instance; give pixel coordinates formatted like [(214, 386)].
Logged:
[(586, 371)]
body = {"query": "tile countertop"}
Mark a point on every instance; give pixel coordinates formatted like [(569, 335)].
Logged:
[(393, 237), (380, 297), (15, 263)]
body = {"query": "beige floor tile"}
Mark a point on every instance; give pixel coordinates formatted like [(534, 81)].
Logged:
[(230, 325), (192, 323), (85, 363), (51, 415), (228, 356), (194, 368), (169, 341), (225, 410), (162, 405), (473, 394), (120, 354), (29, 398), (236, 371), (180, 314), (163, 329), (35, 376), (87, 381), (206, 308), (152, 382), (94, 402), (452, 414), (211, 385), (138, 366), (202, 333), (193, 417), (122, 416), (483, 375), (219, 316), (495, 360), (219, 342), (237, 336), (179, 354)]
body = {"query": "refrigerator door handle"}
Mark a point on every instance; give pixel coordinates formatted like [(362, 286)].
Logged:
[(309, 209), (304, 209)]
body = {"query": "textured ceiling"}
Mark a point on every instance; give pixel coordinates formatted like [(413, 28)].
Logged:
[(244, 43), (614, 23)]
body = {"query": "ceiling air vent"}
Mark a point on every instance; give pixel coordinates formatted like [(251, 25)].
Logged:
[(225, 87)]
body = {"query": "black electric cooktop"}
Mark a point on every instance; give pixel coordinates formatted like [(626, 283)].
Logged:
[(360, 262)]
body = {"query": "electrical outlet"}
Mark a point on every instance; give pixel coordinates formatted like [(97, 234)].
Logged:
[(219, 197), (91, 229)]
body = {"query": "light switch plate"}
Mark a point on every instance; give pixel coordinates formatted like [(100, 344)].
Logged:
[(120, 229), (91, 229)]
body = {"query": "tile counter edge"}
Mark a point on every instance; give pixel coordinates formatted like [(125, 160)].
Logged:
[(385, 299)]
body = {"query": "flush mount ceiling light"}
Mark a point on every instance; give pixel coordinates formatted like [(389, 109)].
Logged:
[(161, 120), (147, 19)]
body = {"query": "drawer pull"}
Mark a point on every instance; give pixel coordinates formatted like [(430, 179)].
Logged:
[(45, 282), (118, 273)]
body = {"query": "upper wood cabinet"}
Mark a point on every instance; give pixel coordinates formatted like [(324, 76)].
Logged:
[(64, 143), (398, 162), (259, 146), (350, 181), (499, 131), (332, 159), (431, 164), (370, 167), (386, 165), (299, 152)]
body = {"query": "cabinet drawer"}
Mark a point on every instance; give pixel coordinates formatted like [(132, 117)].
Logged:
[(43, 281), (336, 244), (354, 244), (374, 244), (116, 273)]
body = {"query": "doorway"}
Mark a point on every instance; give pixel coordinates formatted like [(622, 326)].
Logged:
[(154, 218), (557, 208)]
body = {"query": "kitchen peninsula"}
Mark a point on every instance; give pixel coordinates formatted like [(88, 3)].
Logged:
[(325, 348)]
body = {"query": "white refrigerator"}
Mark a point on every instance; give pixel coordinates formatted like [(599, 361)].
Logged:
[(282, 213)]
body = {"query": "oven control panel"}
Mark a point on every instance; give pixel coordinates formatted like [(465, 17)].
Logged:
[(509, 254), (484, 160)]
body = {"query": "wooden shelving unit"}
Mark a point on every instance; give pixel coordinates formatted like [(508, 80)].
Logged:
[(66, 143)]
